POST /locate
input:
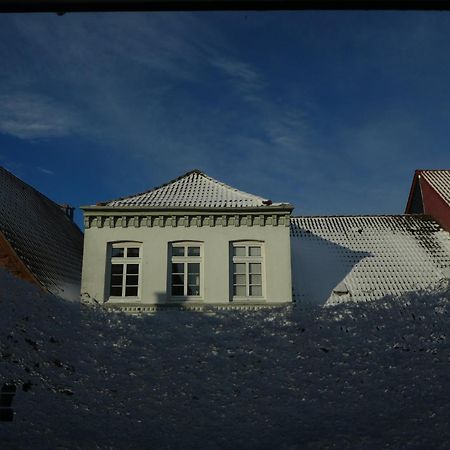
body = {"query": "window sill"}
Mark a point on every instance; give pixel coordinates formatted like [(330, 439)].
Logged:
[(123, 299), (182, 299), (248, 300)]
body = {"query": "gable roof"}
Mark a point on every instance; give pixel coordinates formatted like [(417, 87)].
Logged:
[(40, 234), (439, 180), (194, 189), (366, 257)]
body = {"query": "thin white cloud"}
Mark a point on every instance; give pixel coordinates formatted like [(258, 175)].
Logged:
[(244, 76), (282, 127), (89, 48), (29, 116), (132, 82), (46, 171), (168, 92), (113, 78)]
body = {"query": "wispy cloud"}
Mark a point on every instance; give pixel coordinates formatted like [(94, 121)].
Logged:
[(292, 110), (164, 93), (29, 116), (133, 82), (243, 76), (46, 171), (273, 134)]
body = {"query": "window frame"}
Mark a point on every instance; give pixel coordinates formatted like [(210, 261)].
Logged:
[(247, 260), (125, 261), (185, 260)]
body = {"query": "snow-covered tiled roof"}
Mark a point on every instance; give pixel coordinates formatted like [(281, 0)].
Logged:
[(364, 258), (195, 189), (439, 180), (42, 236)]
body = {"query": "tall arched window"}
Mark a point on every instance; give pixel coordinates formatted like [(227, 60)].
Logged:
[(186, 269), (125, 269)]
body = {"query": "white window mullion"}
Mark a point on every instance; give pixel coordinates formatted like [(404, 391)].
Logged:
[(124, 278), (247, 278), (186, 275)]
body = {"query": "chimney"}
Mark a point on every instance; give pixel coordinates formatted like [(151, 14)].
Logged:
[(68, 210)]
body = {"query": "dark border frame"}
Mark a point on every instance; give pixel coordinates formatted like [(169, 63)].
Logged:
[(65, 6)]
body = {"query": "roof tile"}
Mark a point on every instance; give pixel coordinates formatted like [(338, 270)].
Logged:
[(194, 189), (439, 180), (373, 256), (41, 234)]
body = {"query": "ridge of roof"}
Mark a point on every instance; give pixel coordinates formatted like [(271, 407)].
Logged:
[(432, 170), (190, 172), (366, 216), (410, 224), (224, 196), (412, 221)]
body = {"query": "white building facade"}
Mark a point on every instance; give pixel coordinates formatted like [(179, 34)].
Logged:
[(193, 241)]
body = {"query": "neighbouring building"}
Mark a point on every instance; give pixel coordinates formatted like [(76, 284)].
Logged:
[(191, 241), (196, 241), (364, 258), (430, 194), (38, 240)]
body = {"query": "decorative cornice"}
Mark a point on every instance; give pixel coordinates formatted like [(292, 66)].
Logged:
[(216, 210), (132, 220)]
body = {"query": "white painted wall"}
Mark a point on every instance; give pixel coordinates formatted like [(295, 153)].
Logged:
[(216, 260)]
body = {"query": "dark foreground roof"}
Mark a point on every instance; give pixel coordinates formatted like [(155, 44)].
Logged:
[(46, 241), (363, 258)]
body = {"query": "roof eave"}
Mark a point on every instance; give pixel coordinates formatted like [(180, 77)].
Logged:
[(367, 216), (284, 207)]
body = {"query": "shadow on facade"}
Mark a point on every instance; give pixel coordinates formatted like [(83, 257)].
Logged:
[(320, 266), (165, 303)]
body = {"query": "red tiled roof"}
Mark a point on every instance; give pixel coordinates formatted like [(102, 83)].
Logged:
[(439, 180)]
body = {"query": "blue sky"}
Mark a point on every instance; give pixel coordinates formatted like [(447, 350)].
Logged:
[(331, 111)]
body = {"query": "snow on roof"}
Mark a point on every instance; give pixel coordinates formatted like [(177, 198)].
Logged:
[(362, 258), (43, 237), (193, 189), (439, 180)]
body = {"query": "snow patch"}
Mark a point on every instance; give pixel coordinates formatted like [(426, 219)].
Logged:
[(356, 375)]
